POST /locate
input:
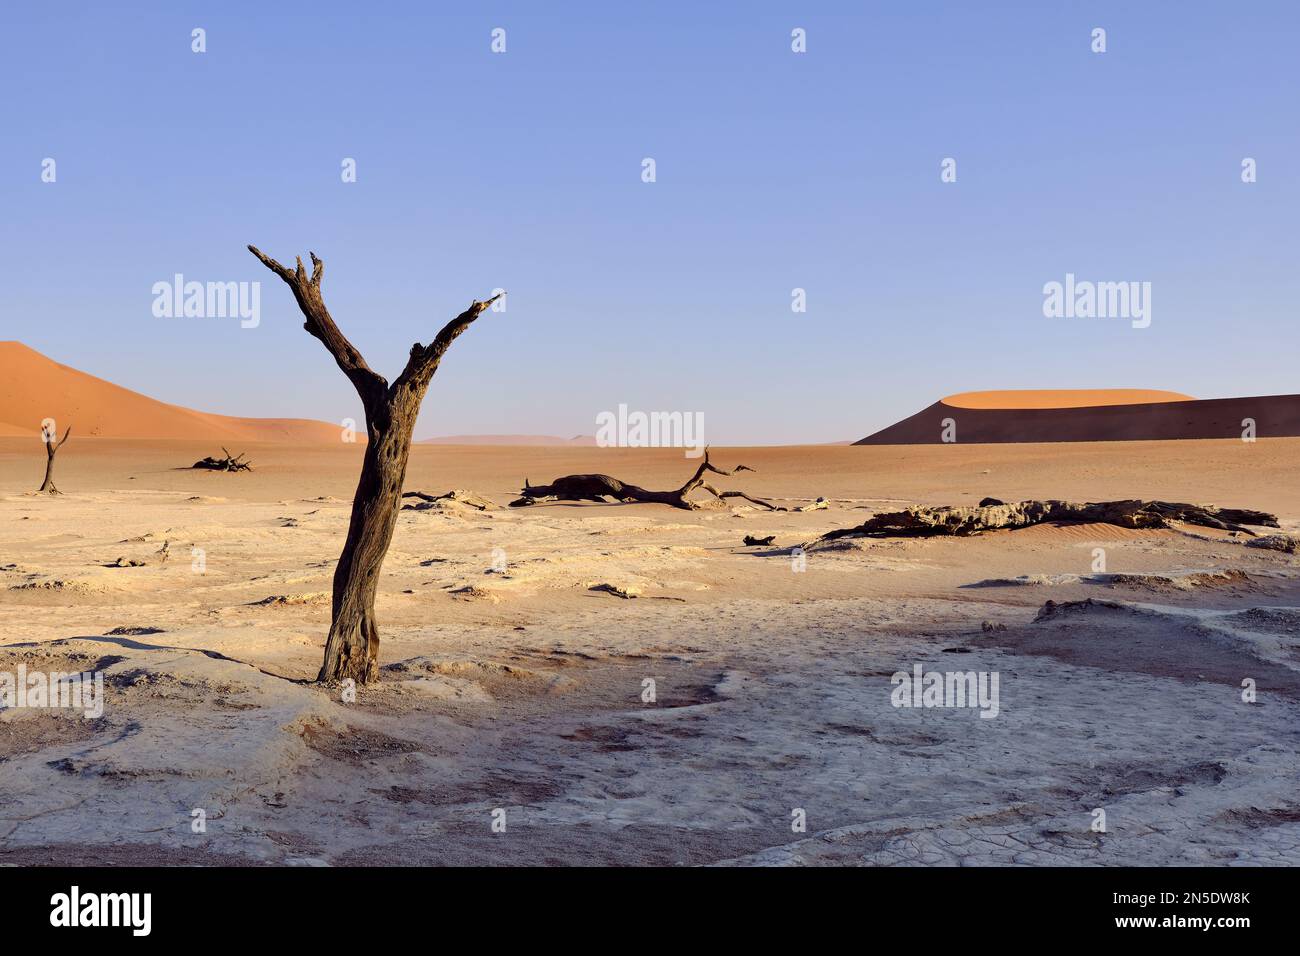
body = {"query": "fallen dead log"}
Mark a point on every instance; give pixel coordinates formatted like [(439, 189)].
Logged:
[(964, 521), (229, 463), (603, 487), (457, 495)]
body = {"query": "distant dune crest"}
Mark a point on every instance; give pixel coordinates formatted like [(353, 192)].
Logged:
[(34, 388), (1062, 398)]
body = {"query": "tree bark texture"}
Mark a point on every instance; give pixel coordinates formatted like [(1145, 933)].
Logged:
[(352, 647)]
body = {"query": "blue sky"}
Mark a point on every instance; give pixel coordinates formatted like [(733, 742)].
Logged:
[(775, 170)]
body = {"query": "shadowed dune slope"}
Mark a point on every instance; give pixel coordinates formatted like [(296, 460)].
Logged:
[(1114, 415), (33, 388)]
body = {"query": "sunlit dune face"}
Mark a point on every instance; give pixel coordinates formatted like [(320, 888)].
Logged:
[(1063, 398), (34, 388)]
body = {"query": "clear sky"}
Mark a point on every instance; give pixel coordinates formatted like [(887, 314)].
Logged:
[(775, 170)]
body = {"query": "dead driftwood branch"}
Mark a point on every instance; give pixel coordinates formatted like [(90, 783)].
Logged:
[(229, 463), (964, 521), (603, 487)]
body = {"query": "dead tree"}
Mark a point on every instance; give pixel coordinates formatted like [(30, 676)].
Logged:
[(602, 487), (229, 463), (931, 522), (352, 648), (48, 434)]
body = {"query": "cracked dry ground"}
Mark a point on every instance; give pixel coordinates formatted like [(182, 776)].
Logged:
[(746, 727)]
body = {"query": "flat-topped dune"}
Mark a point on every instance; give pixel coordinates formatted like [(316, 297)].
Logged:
[(1090, 415), (34, 388), (1062, 398)]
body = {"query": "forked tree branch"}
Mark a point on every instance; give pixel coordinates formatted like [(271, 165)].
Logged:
[(425, 358), (52, 446), (697, 480), (370, 385), (51, 440)]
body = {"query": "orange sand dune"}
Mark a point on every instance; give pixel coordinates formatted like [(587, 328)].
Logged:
[(1091, 415), (1062, 398), (33, 388)]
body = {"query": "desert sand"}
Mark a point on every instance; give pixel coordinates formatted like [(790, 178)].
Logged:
[(513, 679)]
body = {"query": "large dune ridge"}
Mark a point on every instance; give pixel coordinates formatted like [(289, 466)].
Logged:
[(34, 388), (1091, 415), (1062, 397)]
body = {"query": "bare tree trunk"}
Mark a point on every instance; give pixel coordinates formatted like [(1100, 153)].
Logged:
[(352, 648), (51, 447)]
